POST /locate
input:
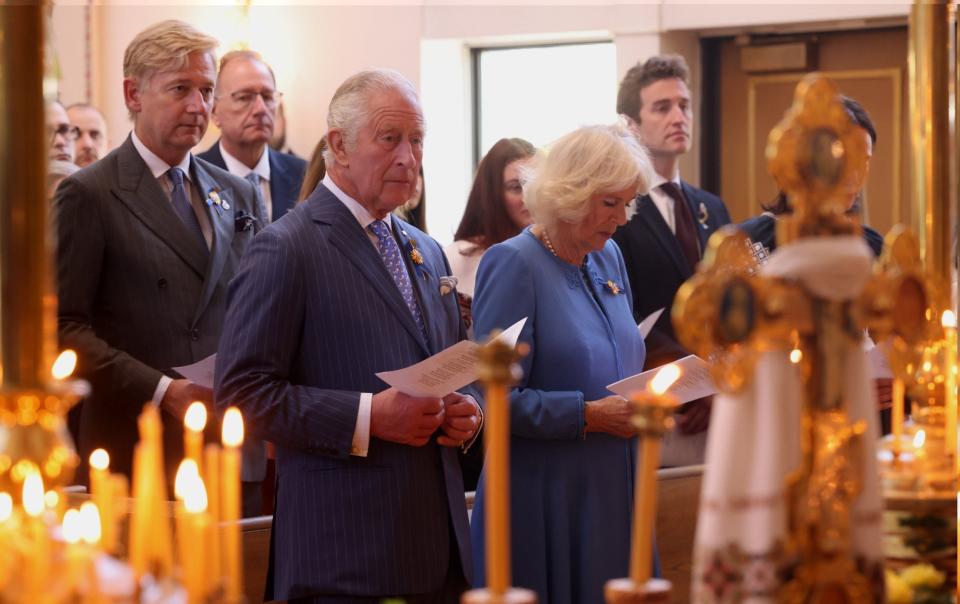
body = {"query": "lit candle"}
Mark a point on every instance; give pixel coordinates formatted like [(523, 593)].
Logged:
[(38, 547), (101, 488), (8, 531), (211, 465), (64, 365), (194, 422), (645, 495), (151, 549), (186, 471), (899, 395), (72, 533), (949, 322), (232, 436), (198, 524)]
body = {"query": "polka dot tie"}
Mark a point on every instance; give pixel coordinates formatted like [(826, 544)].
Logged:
[(390, 253)]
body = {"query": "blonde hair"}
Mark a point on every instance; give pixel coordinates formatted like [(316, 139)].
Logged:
[(349, 107), (587, 161), (164, 46)]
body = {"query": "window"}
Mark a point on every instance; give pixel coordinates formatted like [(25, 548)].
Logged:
[(540, 93)]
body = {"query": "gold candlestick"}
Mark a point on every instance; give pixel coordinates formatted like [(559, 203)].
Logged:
[(498, 372), (653, 417)]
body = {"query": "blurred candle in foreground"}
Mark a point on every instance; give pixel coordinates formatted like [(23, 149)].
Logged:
[(101, 488), (949, 322), (896, 413), (232, 437), (193, 553), (211, 465), (194, 422), (37, 548)]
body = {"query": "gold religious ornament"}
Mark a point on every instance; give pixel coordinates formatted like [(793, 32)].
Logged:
[(498, 371), (731, 315)]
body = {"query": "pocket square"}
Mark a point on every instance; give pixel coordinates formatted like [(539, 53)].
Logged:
[(447, 283), (243, 221)]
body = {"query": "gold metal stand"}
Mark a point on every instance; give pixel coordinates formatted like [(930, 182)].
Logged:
[(32, 405), (498, 371)]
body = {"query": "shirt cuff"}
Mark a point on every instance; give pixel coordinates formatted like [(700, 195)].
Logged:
[(161, 389), (361, 433)]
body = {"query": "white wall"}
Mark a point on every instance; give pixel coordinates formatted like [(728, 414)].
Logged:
[(313, 47)]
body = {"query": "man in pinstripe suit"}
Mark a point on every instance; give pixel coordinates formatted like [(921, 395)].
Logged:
[(144, 255), (369, 497)]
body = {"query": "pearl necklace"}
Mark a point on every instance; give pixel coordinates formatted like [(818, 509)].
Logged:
[(546, 240)]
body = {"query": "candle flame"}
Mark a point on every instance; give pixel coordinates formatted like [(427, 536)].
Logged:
[(100, 459), (196, 418), (90, 523), (232, 435), (51, 499), (195, 497), (187, 471), (919, 438), (72, 531), (64, 365), (796, 356), (665, 378), (33, 494), (948, 319), (6, 506)]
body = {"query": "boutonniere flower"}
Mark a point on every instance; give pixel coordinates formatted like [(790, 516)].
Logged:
[(614, 287), (415, 256), (243, 222), (214, 199), (447, 284), (703, 215)]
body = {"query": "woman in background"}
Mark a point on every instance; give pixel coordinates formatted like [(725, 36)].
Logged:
[(494, 213), (414, 211), (571, 443), (316, 170)]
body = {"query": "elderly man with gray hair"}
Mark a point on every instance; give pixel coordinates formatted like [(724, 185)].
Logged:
[(369, 497), (148, 238)]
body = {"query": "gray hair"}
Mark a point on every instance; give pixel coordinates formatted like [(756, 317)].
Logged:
[(587, 161), (349, 108)]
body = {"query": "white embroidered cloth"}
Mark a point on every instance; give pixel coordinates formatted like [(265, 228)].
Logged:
[(754, 443)]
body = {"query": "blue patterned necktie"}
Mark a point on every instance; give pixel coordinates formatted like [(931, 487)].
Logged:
[(181, 203), (254, 179), (390, 253)]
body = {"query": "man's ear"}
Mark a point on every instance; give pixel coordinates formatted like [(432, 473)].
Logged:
[(132, 91), (213, 113), (338, 146)]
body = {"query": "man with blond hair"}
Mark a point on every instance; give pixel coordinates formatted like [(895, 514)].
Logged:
[(245, 110), (149, 236)]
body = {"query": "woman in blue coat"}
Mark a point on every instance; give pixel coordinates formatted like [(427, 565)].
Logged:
[(572, 450)]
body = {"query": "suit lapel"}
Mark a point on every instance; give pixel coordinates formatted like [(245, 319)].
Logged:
[(283, 190), (650, 216), (348, 237), (693, 200), (221, 223), (142, 195)]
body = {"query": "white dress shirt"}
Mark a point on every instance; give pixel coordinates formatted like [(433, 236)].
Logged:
[(159, 169), (663, 201), (262, 169)]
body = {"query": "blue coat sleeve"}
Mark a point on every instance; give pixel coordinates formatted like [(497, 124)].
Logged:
[(506, 293)]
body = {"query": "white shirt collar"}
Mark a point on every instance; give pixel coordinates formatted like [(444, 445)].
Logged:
[(238, 168), (363, 216), (659, 180), (157, 166)]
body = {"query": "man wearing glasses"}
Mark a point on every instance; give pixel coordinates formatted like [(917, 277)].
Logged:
[(63, 136), (245, 109)]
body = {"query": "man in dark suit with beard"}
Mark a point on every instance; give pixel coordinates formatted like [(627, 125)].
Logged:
[(665, 240), (148, 238)]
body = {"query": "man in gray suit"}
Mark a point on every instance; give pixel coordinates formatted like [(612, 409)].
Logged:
[(369, 497), (148, 238)]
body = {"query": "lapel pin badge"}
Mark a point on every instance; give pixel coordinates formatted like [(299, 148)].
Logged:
[(703, 215)]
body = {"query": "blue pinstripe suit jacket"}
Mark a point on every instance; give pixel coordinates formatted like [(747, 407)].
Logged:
[(312, 315)]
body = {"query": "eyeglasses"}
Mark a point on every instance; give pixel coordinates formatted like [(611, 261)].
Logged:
[(245, 98), (71, 133)]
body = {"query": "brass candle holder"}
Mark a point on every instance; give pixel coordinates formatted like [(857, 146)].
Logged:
[(498, 371), (653, 417)]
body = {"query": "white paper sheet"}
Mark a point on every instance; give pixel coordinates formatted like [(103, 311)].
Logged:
[(877, 360), (201, 372), (694, 381), (447, 370), (647, 324)]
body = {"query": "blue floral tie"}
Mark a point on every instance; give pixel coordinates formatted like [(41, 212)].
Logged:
[(181, 203), (390, 253)]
